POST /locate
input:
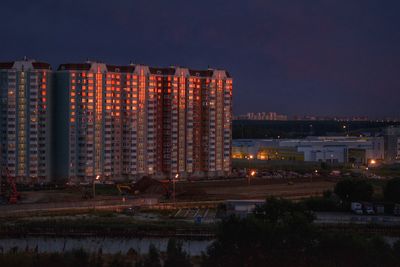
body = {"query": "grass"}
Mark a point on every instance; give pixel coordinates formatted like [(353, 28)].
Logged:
[(107, 190), (274, 164)]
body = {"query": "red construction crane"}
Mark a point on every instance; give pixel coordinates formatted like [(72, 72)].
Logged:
[(8, 188)]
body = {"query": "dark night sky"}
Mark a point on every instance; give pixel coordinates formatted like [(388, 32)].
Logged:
[(326, 57)]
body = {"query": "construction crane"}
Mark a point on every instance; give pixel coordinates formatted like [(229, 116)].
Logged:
[(9, 190)]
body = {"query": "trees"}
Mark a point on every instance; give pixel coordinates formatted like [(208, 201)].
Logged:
[(392, 190), (354, 190), (119, 260), (151, 260), (176, 256), (351, 250), (281, 233), (277, 234)]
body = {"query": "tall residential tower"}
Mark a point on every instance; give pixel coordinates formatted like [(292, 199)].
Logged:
[(25, 120), (130, 121)]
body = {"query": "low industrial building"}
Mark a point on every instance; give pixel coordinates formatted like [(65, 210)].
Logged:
[(242, 207), (336, 149)]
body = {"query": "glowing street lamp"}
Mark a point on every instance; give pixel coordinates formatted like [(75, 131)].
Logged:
[(173, 186), (248, 157), (94, 185), (252, 174)]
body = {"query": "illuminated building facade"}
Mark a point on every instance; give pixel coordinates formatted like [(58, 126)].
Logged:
[(25, 120), (131, 121)]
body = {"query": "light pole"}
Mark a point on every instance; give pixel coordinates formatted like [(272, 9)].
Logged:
[(173, 186), (346, 130), (250, 157), (316, 174), (252, 174), (94, 185)]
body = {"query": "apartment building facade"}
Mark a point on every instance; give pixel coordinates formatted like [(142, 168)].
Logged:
[(125, 122), (25, 120)]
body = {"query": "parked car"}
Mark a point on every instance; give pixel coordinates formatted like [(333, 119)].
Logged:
[(369, 208), (396, 210), (356, 207)]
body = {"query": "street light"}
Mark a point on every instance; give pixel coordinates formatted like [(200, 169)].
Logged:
[(173, 186), (94, 185), (252, 174), (250, 157)]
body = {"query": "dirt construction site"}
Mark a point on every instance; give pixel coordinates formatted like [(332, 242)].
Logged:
[(255, 189), (207, 190)]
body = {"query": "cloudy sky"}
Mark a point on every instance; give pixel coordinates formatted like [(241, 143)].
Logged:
[(323, 57)]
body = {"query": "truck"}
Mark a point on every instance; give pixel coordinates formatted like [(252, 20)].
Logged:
[(396, 209), (356, 207), (369, 208)]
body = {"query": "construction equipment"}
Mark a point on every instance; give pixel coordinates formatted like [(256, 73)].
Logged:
[(125, 189), (146, 185), (9, 190)]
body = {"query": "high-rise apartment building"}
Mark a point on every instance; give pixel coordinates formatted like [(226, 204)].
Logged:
[(25, 120), (131, 121)]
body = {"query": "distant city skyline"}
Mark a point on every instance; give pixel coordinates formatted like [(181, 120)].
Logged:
[(272, 115), (328, 58)]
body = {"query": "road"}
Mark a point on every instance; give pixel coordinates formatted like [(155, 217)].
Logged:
[(81, 206)]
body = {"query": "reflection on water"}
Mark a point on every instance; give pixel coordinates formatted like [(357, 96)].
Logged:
[(94, 244)]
